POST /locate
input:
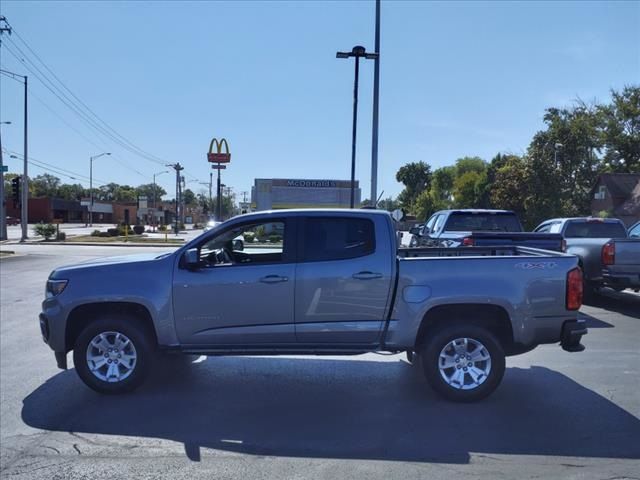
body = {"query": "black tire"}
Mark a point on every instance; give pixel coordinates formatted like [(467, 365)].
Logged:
[(141, 340), (430, 355)]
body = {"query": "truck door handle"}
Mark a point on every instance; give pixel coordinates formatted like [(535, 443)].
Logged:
[(274, 279), (366, 275)]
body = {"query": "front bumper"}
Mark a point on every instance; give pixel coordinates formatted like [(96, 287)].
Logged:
[(572, 332)]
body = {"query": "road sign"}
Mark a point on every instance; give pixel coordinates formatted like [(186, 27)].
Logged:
[(218, 167), (217, 156), (397, 215)]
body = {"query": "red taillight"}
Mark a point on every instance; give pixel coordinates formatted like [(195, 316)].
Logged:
[(609, 253), (574, 289), (468, 242)]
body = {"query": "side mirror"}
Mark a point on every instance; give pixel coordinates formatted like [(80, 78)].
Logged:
[(191, 260), (414, 230)]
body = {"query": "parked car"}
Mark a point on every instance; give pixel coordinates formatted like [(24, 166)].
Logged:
[(336, 285), (13, 221), (608, 257), (480, 227), (634, 230)]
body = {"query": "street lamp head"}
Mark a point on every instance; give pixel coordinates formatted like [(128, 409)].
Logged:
[(558, 145), (358, 51), (6, 123), (13, 156), (342, 55)]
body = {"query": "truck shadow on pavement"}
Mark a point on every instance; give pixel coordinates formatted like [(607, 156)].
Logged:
[(625, 302), (347, 409)]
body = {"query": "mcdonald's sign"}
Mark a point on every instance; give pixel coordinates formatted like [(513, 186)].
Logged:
[(218, 156)]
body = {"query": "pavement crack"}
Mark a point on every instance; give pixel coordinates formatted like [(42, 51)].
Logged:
[(77, 449), (52, 448)]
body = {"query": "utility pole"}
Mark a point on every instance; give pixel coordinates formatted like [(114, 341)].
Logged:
[(4, 27), (376, 98), (3, 211), (25, 180), (178, 168), (210, 189)]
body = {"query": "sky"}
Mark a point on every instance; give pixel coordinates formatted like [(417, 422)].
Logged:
[(456, 79)]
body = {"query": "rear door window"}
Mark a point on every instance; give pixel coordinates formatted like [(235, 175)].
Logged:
[(595, 229), (335, 238)]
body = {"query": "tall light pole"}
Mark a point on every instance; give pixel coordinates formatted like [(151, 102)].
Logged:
[(91, 159), (357, 52), (376, 99), (3, 212), (154, 221), (557, 146)]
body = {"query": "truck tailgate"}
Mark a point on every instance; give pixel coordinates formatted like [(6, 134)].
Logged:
[(627, 252)]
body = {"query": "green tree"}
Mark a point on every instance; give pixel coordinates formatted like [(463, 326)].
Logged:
[(45, 185), (416, 177), (510, 189), (189, 197), (470, 164), (425, 205), (149, 189), (468, 189), (621, 130), (71, 192), (442, 187)]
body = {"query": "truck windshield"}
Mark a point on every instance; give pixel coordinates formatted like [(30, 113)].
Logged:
[(595, 229), (483, 222)]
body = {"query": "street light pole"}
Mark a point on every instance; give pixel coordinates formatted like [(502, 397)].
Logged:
[(376, 99), (91, 159), (357, 52)]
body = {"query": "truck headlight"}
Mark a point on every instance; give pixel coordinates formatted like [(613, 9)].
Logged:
[(55, 287)]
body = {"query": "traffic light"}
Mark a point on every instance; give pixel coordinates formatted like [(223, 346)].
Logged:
[(15, 190)]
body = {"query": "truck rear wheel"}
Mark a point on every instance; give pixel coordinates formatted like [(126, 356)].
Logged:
[(463, 363), (112, 355)]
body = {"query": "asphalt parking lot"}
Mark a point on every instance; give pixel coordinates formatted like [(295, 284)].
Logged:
[(556, 414)]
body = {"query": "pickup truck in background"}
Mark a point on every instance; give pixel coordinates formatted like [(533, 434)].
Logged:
[(607, 256), (335, 284), (478, 227)]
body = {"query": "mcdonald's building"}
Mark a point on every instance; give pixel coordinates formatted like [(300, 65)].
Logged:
[(278, 193)]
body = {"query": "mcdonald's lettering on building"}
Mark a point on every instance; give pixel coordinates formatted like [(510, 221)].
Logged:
[(278, 193)]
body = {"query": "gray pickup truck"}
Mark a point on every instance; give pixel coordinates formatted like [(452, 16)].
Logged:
[(606, 253), (317, 282), (481, 228)]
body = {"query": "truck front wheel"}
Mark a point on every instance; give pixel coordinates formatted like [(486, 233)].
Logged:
[(463, 363), (112, 355)]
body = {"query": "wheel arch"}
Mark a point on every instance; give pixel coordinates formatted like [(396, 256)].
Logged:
[(83, 315), (494, 318)]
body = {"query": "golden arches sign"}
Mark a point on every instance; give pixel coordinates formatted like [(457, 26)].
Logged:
[(218, 156)]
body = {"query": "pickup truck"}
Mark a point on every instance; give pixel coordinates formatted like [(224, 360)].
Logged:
[(479, 227), (335, 283), (607, 256)]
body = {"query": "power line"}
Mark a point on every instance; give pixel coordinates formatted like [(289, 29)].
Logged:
[(75, 108), (158, 159)]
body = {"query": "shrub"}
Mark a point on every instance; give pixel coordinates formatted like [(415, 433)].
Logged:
[(112, 232), (124, 230), (138, 229), (275, 238), (96, 233), (162, 228), (61, 236), (45, 230), (104, 234), (249, 237)]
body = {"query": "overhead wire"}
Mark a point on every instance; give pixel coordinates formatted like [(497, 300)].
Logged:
[(21, 57), (86, 107)]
